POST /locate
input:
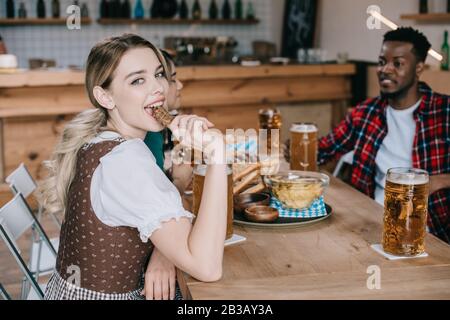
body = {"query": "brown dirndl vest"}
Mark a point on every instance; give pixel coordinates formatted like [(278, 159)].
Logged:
[(109, 259)]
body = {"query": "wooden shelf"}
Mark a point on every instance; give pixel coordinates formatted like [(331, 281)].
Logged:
[(178, 21), (39, 21), (427, 17)]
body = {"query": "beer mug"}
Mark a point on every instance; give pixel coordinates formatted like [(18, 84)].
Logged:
[(199, 180), (303, 147), (269, 119), (405, 211)]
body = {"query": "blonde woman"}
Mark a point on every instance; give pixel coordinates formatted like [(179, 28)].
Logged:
[(118, 204)]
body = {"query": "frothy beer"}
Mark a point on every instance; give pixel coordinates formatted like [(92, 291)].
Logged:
[(303, 146), (405, 211)]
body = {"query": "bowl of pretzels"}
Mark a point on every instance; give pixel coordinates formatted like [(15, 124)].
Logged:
[(249, 189), (297, 189)]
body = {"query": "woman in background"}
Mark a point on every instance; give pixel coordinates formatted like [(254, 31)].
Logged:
[(160, 270), (180, 174)]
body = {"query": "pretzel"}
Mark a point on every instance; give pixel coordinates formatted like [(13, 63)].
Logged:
[(248, 179), (246, 171), (257, 188), (162, 115)]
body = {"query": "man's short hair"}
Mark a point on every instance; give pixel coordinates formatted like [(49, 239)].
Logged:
[(417, 39)]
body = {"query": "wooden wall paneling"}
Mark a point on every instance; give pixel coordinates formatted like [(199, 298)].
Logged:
[(38, 101), (39, 78), (198, 73), (2, 154), (339, 110), (30, 140), (231, 117), (264, 91)]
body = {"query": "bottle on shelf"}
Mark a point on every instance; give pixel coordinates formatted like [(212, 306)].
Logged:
[(250, 11), (10, 9), (55, 9), (445, 52), (118, 9), (423, 6), (196, 10), (448, 6), (111, 9), (238, 9), (116, 6), (155, 9), (104, 9), (139, 10), (167, 8), (40, 9), (213, 10), (184, 11), (22, 11), (226, 10), (126, 9), (84, 10), (3, 49)]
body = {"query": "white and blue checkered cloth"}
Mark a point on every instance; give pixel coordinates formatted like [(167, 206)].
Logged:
[(317, 209)]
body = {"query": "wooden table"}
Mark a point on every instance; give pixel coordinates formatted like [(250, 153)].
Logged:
[(328, 260)]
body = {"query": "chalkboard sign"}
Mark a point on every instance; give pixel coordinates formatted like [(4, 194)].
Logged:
[(298, 26)]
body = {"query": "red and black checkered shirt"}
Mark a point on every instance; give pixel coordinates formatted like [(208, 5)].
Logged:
[(363, 132)]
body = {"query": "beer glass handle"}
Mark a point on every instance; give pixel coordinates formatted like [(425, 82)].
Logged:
[(304, 143)]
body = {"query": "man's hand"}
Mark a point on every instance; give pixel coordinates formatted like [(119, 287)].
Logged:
[(438, 182), (160, 278)]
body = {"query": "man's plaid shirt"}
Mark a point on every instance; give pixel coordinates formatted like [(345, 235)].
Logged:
[(363, 131)]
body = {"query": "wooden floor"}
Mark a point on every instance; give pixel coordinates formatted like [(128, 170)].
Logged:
[(10, 274)]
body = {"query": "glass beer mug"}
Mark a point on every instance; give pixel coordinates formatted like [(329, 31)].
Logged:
[(199, 180), (270, 119), (303, 146), (405, 211)]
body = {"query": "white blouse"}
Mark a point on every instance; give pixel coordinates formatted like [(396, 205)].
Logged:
[(129, 189)]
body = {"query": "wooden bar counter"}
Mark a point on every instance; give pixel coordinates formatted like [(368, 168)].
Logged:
[(331, 259), (35, 105)]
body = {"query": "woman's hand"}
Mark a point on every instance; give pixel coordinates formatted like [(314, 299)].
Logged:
[(160, 278), (193, 132), (189, 130)]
